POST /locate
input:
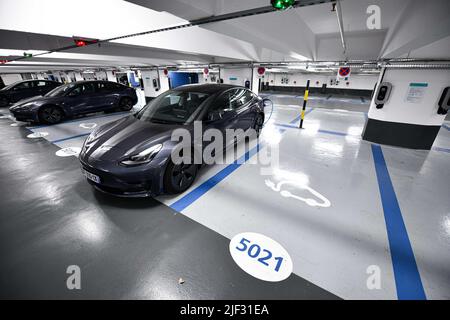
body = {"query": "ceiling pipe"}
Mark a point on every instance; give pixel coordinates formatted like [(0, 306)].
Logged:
[(341, 27)]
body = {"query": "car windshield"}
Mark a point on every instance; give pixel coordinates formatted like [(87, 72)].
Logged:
[(60, 91), (173, 107)]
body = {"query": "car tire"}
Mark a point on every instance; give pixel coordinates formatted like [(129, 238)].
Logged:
[(179, 177), (258, 124), (4, 102), (51, 114), (125, 104)]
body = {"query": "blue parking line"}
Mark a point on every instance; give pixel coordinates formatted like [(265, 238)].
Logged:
[(446, 127), (79, 120), (195, 194), (407, 278), (336, 133), (71, 137), (441, 149)]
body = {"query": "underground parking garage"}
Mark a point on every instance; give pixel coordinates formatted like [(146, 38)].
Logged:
[(225, 150)]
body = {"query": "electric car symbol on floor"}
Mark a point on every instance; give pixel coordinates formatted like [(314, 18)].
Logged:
[(324, 202), (131, 156), (74, 99)]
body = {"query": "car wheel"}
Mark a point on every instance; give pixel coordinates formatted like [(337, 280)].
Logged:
[(4, 101), (125, 104), (179, 177), (50, 115), (258, 124)]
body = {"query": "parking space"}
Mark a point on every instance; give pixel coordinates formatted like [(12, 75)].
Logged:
[(323, 201)]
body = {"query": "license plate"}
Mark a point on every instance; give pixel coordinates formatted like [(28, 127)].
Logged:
[(91, 176)]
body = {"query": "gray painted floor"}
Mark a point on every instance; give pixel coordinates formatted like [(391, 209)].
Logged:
[(140, 248), (126, 248)]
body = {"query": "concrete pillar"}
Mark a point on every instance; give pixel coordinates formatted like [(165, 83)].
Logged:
[(10, 78), (255, 81), (110, 76), (149, 89), (409, 117), (78, 76)]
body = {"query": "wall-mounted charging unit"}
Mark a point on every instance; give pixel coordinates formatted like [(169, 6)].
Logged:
[(156, 84), (382, 95), (444, 101)]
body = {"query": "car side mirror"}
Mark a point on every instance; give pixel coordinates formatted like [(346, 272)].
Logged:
[(72, 94)]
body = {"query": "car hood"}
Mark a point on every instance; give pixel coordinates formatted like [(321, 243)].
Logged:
[(127, 136)]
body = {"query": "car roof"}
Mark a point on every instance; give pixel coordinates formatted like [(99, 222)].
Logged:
[(209, 88)]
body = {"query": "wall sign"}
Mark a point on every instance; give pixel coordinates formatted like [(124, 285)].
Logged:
[(261, 71), (261, 256), (344, 72), (416, 92)]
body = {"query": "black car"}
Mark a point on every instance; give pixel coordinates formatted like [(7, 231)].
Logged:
[(74, 99), (25, 89), (131, 157)]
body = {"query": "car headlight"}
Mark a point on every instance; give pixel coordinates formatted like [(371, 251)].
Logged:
[(142, 157), (91, 137), (25, 106)]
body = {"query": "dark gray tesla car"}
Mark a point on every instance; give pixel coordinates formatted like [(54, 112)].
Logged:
[(75, 98), (131, 156), (25, 89)]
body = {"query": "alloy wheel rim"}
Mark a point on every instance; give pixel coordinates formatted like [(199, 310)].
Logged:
[(52, 115), (183, 175), (126, 104)]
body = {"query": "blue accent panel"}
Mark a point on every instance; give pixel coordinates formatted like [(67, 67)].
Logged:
[(181, 78), (407, 278)]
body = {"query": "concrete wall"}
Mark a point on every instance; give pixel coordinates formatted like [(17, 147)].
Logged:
[(238, 76), (356, 82), (110, 76)]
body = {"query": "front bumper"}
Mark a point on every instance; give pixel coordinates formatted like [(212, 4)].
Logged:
[(24, 115), (130, 182)]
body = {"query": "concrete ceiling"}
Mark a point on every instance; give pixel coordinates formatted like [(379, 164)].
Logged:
[(409, 28)]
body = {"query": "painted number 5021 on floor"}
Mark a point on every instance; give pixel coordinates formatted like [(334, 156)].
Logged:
[(261, 256)]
